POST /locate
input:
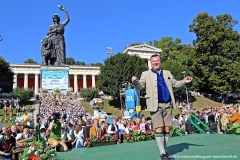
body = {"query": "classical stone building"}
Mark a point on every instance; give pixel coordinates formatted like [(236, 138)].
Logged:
[(144, 51), (28, 75)]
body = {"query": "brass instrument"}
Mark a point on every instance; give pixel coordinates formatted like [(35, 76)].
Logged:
[(26, 140), (18, 150)]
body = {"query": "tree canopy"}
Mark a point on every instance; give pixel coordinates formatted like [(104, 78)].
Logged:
[(72, 61), (96, 64), (171, 49), (23, 95), (6, 76), (29, 60), (117, 70), (177, 71), (217, 51)]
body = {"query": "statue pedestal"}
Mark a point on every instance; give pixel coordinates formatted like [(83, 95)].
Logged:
[(54, 77), (95, 110)]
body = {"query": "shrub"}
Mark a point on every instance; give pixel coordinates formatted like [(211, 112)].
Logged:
[(23, 95), (88, 93)]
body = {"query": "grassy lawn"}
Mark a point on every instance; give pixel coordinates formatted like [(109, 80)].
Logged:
[(8, 123), (205, 102), (113, 107)]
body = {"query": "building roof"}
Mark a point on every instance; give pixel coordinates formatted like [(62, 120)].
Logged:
[(142, 47)]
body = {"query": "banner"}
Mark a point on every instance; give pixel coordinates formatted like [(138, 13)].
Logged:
[(130, 102), (55, 79)]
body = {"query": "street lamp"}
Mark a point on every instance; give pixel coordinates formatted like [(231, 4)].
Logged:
[(110, 51), (184, 73)]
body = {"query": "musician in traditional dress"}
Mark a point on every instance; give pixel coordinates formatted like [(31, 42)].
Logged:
[(44, 135), (5, 108), (10, 108), (23, 109), (18, 108), (26, 134)]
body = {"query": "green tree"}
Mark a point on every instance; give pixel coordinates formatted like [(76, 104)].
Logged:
[(23, 95), (217, 51), (29, 60), (118, 69), (96, 64), (88, 93), (80, 63), (176, 69), (6, 76), (70, 61), (171, 49)]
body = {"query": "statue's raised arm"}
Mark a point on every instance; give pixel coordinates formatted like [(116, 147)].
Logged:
[(67, 15), (56, 40)]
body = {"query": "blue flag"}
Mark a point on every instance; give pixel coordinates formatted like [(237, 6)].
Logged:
[(130, 102)]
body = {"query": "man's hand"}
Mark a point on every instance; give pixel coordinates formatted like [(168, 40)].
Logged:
[(6, 154), (20, 144), (134, 79), (187, 79)]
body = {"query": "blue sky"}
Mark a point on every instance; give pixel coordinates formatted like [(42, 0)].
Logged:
[(97, 24)]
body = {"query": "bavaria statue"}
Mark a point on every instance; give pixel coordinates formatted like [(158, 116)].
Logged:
[(53, 47)]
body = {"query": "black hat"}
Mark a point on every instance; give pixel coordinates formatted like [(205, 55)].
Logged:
[(149, 118), (70, 125), (42, 130), (26, 126)]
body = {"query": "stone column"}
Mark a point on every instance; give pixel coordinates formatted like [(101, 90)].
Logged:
[(149, 64), (15, 81), (75, 83), (25, 81), (36, 84), (84, 81), (93, 81)]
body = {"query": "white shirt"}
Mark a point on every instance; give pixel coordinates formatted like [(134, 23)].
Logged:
[(19, 136), (110, 127), (68, 136), (121, 126), (80, 133)]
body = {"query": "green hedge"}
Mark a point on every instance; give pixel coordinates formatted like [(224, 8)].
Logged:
[(88, 93), (23, 95)]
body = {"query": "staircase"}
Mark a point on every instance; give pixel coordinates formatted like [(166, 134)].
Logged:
[(195, 118)]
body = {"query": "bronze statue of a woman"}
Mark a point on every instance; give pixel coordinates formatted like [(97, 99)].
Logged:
[(56, 34)]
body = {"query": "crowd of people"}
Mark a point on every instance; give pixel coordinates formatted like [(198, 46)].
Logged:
[(217, 118), (65, 104), (65, 124), (8, 104)]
